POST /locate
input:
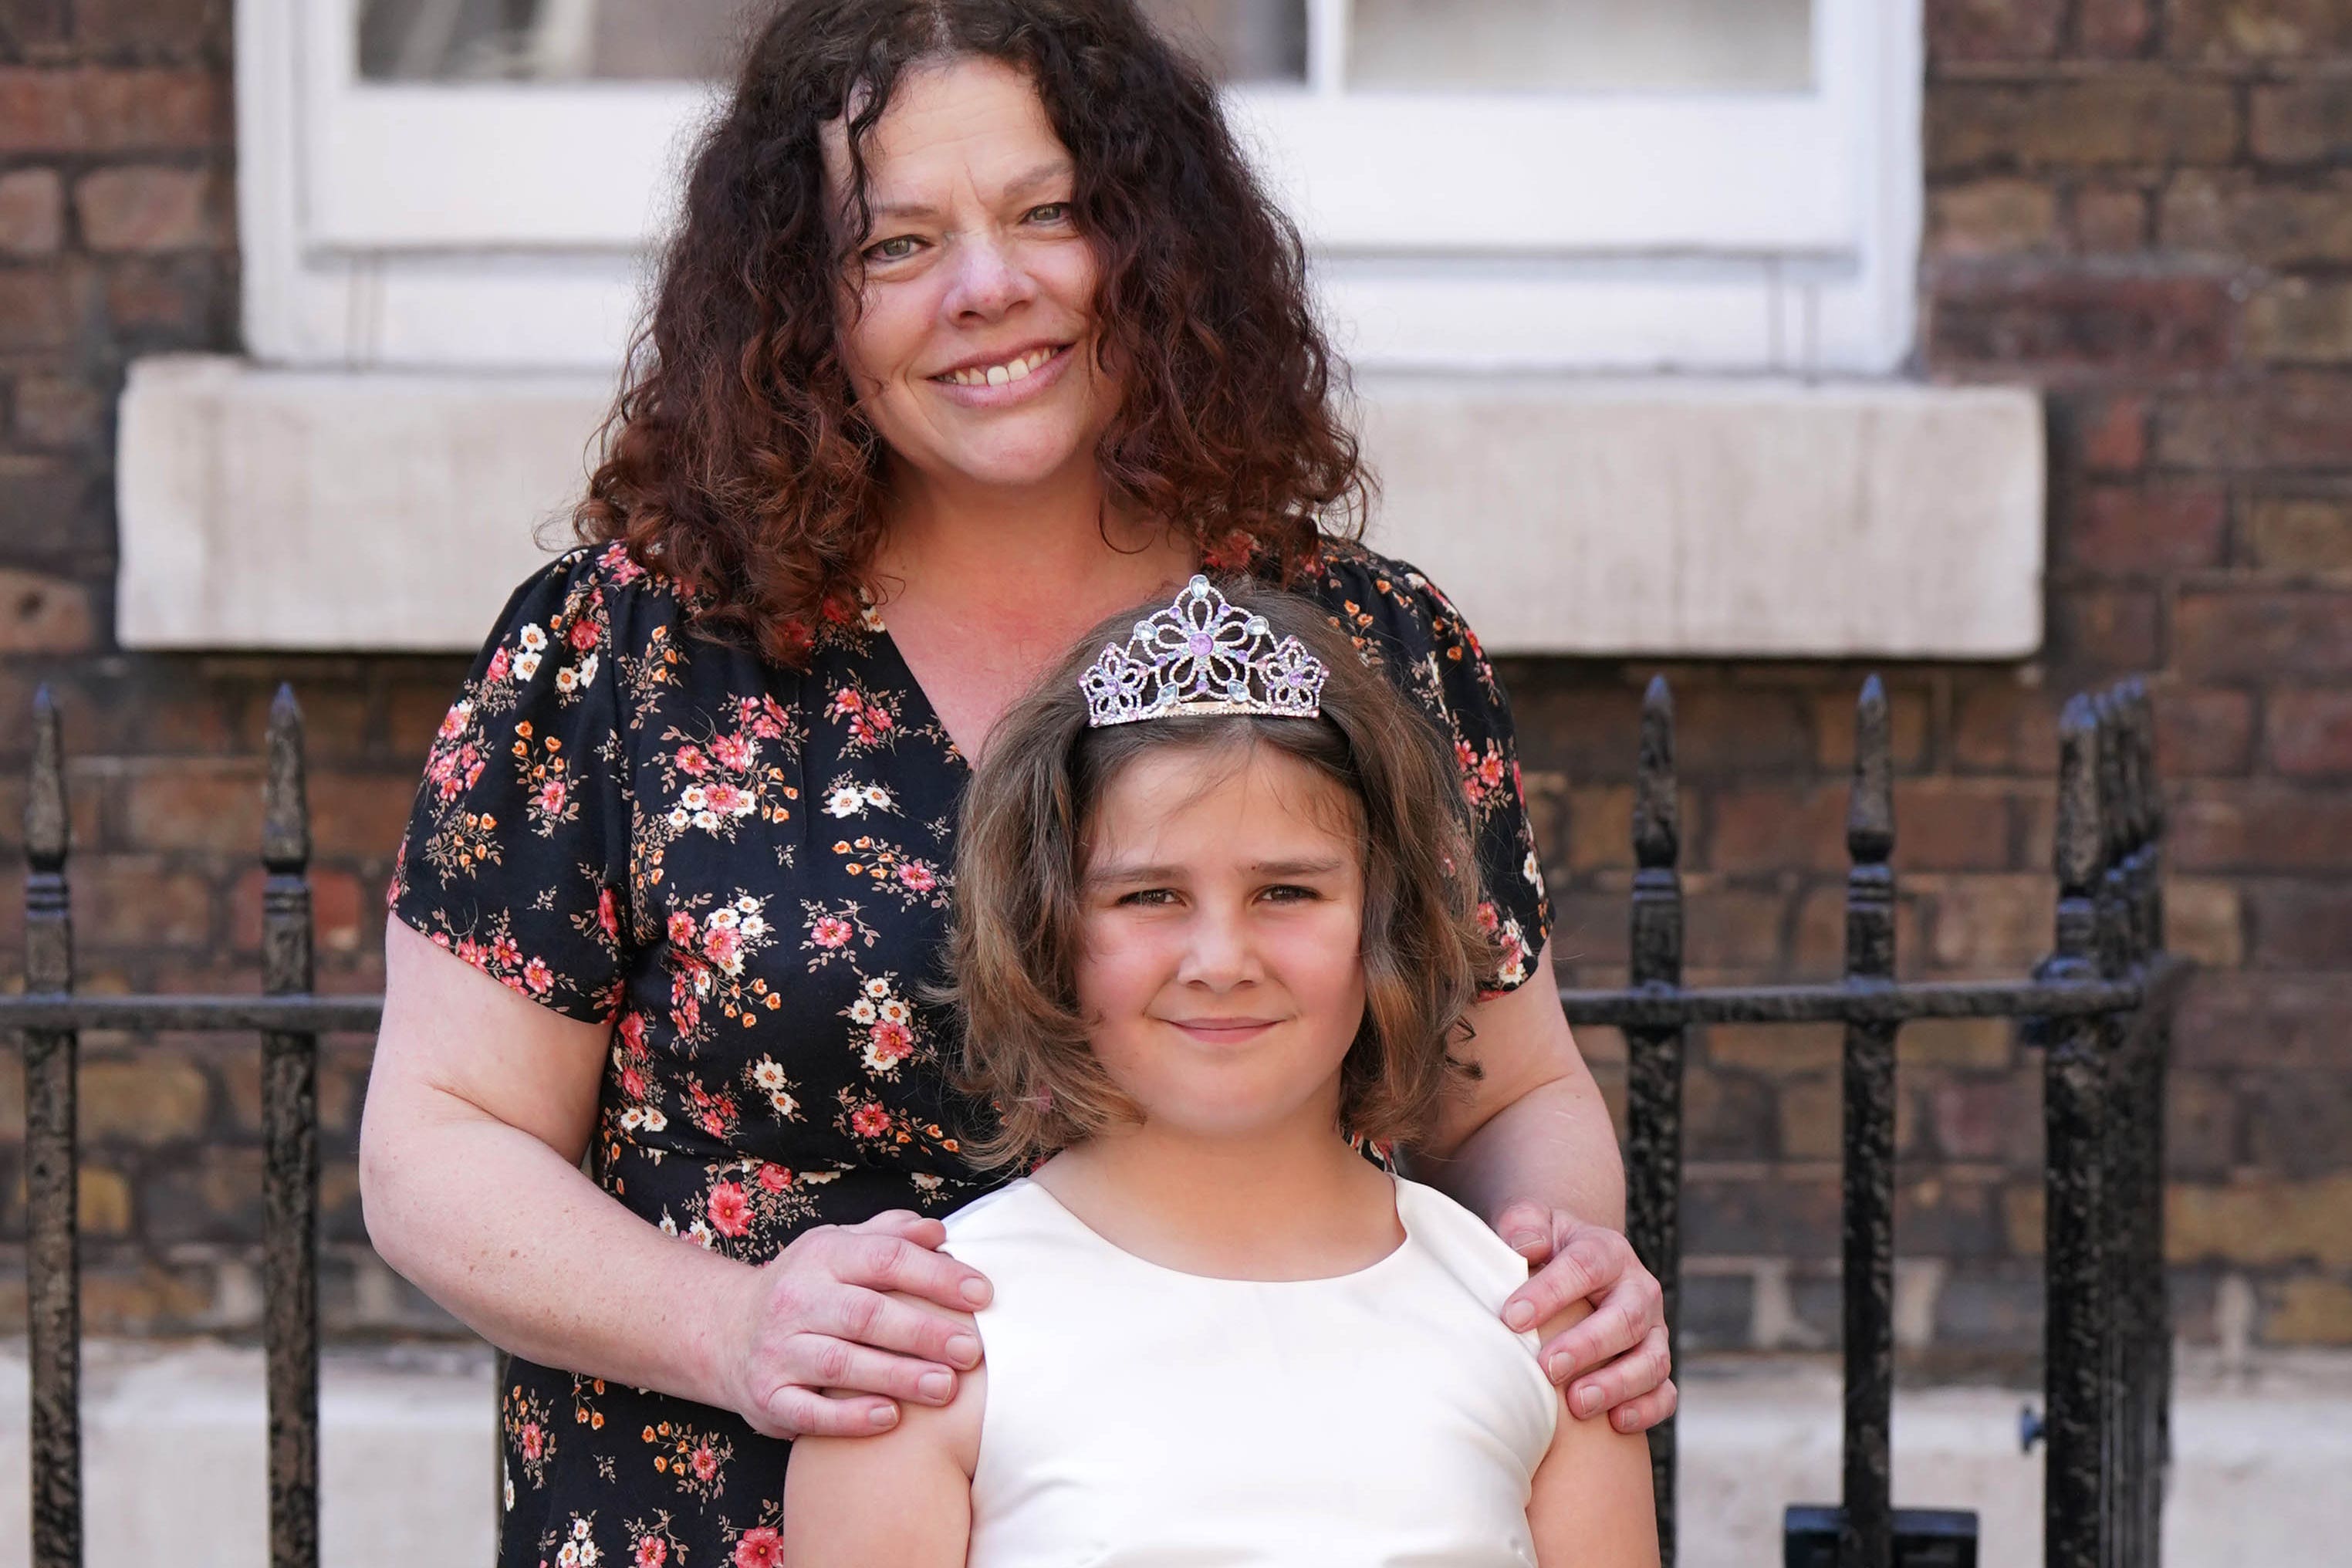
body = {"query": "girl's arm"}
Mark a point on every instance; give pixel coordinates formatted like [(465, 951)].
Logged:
[(1590, 1506), (900, 1501)]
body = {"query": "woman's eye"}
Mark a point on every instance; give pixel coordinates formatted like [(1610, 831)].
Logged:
[(1052, 212), (896, 248)]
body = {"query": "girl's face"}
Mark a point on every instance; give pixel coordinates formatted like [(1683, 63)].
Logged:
[(971, 347), (1223, 973)]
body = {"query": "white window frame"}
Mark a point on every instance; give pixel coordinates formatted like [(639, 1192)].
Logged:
[(486, 226)]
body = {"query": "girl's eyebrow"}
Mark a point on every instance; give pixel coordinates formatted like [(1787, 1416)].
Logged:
[(1322, 866)]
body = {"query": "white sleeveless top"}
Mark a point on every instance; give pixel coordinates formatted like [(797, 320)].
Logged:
[(1138, 1417)]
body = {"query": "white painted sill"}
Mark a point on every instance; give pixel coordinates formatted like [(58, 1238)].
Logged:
[(1648, 516)]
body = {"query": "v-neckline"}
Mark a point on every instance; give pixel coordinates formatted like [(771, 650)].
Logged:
[(917, 696)]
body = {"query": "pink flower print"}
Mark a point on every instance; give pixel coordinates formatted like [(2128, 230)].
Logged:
[(690, 760), (723, 945), (584, 634), (774, 1178), (631, 1030), (869, 1121), (727, 801), (760, 1548), (918, 876), (830, 931), (731, 1213), (706, 1463), (550, 796), (1489, 920), (608, 913), (632, 1083), (538, 977), (889, 1044), (733, 751), (652, 1551), (498, 670), (681, 929), (504, 950), (533, 1442)]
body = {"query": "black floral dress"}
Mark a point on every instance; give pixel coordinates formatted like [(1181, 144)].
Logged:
[(745, 870)]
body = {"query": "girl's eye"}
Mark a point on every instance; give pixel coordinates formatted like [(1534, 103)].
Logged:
[(896, 248), (1290, 893), (1149, 896)]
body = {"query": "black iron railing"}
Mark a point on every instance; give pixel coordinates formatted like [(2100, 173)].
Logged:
[(2100, 1005)]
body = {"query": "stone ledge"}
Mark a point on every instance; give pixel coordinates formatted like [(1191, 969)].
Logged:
[(265, 508), (173, 1458)]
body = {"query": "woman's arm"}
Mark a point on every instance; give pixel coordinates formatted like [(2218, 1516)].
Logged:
[(1531, 1149), (1591, 1504), (900, 1501), (479, 1107)]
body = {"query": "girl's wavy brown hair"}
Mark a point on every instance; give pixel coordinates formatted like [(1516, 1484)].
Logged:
[(736, 461), (1021, 867)]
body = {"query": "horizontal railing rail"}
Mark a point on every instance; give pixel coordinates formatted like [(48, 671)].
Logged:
[(2100, 1006)]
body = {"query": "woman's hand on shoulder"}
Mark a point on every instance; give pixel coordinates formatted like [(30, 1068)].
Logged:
[(1605, 1315), (846, 1323)]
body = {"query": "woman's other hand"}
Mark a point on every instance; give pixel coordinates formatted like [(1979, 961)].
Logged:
[(838, 1328), (1622, 1345)]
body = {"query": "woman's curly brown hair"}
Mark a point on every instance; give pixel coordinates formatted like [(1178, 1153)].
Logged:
[(736, 461)]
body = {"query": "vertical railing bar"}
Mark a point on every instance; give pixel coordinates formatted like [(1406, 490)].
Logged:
[(52, 1176), (1866, 1535), (2158, 1037), (2144, 1475), (1654, 1057), (2120, 1136), (291, 1137), (2074, 1352)]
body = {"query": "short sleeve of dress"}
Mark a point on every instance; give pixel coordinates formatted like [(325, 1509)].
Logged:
[(517, 852), (1435, 656)]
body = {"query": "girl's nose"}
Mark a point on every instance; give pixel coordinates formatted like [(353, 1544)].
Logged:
[(989, 277), (1220, 954)]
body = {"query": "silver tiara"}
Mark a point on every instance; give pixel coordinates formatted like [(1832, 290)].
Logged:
[(1203, 655)]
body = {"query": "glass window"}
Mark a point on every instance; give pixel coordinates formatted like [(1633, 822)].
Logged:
[(687, 41), (1717, 45)]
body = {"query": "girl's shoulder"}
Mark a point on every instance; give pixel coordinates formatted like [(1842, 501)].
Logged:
[(1462, 1244)]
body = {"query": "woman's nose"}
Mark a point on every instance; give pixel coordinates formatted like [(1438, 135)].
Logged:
[(989, 277)]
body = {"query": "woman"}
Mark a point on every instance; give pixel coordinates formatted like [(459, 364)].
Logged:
[(976, 328)]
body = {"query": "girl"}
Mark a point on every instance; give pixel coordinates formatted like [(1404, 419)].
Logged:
[(1213, 933)]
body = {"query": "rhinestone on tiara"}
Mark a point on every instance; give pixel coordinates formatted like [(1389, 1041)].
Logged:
[(1203, 655)]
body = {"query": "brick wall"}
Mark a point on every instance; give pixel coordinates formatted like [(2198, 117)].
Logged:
[(2144, 207)]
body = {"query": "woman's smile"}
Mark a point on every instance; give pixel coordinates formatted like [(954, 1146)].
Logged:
[(1002, 381)]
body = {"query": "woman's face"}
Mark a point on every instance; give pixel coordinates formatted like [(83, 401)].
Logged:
[(971, 343), (1222, 977)]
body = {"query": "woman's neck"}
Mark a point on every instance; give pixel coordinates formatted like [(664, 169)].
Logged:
[(1297, 1205)]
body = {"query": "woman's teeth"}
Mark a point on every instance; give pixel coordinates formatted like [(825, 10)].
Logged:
[(1000, 375)]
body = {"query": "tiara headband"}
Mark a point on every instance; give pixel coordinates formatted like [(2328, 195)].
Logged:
[(1203, 655)]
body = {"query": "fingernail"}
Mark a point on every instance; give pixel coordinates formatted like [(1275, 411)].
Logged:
[(1524, 1241), (1588, 1400), (937, 1385), (976, 1292), (885, 1415), (1520, 1315), (963, 1350)]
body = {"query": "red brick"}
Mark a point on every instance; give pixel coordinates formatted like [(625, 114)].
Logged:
[(32, 212), (2300, 1123), (2147, 529), (2107, 434), (150, 27), (1992, 925), (2270, 223), (2099, 630), (35, 309), (54, 412), (2221, 825), (2259, 29), (343, 910), (2309, 732), (362, 816), (2201, 1124), (2254, 634), (2296, 321), (2105, 220), (1991, 30), (1992, 217), (1600, 827), (1997, 1119), (1909, 720), (2299, 926), (41, 613), (2031, 317), (2137, 116), (189, 299), (1719, 730), (178, 805), (2205, 920), (2113, 29), (2005, 727), (1728, 1116), (1734, 931), (150, 209), (2303, 121), (2232, 1020), (139, 901), (2304, 421), (1754, 827), (2298, 533), (2203, 732), (98, 110), (1952, 825)]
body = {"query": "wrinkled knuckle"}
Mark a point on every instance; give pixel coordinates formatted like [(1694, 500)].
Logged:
[(882, 1257), (861, 1315), (832, 1363)]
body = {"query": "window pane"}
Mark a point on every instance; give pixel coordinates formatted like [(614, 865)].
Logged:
[(570, 40), (1584, 45)]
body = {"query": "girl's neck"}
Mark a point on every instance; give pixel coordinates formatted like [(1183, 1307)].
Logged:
[(1294, 1206)]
